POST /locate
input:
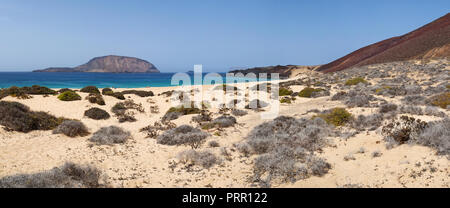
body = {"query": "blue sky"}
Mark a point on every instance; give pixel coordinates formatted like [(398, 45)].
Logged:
[(176, 34)]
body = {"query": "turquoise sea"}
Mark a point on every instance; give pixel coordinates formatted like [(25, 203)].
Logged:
[(80, 80)]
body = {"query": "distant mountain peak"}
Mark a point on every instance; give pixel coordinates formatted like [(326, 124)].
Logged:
[(111, 64)]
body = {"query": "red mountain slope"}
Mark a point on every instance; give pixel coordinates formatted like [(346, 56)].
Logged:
[(429, 41)]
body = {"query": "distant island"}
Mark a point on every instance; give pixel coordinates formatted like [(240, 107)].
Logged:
[(109, 64)]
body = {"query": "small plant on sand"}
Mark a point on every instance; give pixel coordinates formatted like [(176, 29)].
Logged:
[(442, 100), (224, 121), (96, 98), (69, 175), (107, 91), (69, 96), (175, 112), (355, 81), (336, 116), (309, 92), (140, 93), (153, 131), (90, 89), (402, 130), (238, 112), (110, 135), (204, 159), (97, 114), (285, 91), (71, 128), (183, 135)]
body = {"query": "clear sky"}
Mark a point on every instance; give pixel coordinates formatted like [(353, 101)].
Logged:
[(220, 34)]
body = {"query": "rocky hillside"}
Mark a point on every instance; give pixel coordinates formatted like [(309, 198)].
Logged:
[(283, 71), (111, 64), (429, 41)]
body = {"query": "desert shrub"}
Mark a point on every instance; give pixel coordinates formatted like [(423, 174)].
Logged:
[(339, 96), (183, 135), (256, 104), (110, 135), (225, 121), (71, 128), (175, 112), (107, 91), (110, 92), (208, 126), (376, 154), (90, 89), (18, 117), (402, 130), (414, 100), (169, 116), (437, 136), (153, 131), (226, 88), (309, 92), (140, 93), (97, 114), (213, 144), (336, 116), (69, 175), (434, 111), (287, 164), (167, 93), (204, 116), (96, 98), (308, 134), (14, 91), (39, 90), (286, 100), (370, 122), (64, 90), (355, 98), (121, 110), (69, 96), (442, 100), (410, 109), (284, 91), (387, 108), (204, 159), (355, 81), (238, 112)]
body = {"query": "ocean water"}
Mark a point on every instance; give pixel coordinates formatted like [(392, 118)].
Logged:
[(80, 80)]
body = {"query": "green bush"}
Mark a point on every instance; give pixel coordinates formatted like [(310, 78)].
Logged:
[(96, 98), (69, 96), (90, 89), (18, 117), (140, 93), (308, 92), (284, 92), (97, 114), (441, 100), (39, 90), (336, 116), (356, 81), (184, 111), (107, 91), (286, 100)]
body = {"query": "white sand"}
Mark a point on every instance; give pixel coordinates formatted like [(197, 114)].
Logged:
[(141, 162)]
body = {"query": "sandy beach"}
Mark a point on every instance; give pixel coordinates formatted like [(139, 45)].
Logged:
[(141, 162)]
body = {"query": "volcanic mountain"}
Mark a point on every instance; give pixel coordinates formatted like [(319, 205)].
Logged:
[(429, 41), (111, 64)]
